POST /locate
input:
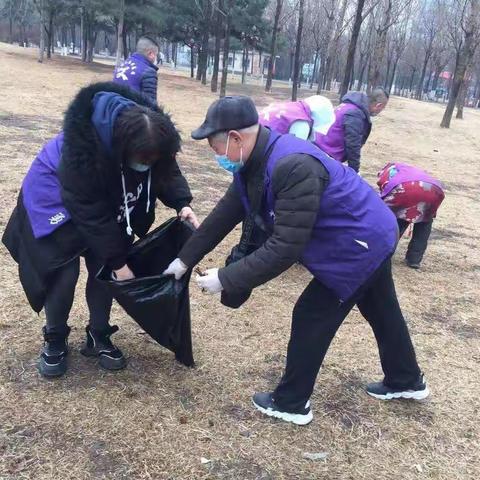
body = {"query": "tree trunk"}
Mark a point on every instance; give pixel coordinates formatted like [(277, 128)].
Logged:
[(226, 49), (121, 19), (298, 50), (273, 46), (50, 34), (352, 48), (419, 93), (83, 35), (244, 64), (315, 63), (334, 44), (436, 77), (125, 43), (363, 69), (73, 35), (379, 48), (204, 69), (392, 77), (192, 61), (321, 72), (412, 78), (198, 75), (10, 25), (41, 49), (464, 58), (461, 98), (216, 55)]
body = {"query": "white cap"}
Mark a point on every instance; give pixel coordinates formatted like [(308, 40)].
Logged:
[(323, 114)]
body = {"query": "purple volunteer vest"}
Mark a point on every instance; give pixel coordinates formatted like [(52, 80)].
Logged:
[(402, 173), (280, 116), (41, 190), (333, 143), (130, 72), (354, 231)]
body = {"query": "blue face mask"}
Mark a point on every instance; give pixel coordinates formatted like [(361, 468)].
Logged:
[(227, 164), (139, 167)]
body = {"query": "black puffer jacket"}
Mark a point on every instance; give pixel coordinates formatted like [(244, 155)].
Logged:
[(92, 185), (298, 182), (92, 192), (357, 126)]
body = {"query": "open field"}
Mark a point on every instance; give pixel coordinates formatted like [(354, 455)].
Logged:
[(158, 420)]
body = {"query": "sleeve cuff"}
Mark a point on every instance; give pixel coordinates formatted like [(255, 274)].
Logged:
[(117, 262)]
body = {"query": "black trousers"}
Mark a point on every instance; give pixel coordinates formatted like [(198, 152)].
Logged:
[(418, 244), (61, 292), (317, 316)]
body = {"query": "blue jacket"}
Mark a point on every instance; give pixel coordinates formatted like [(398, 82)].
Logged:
[(138, 73)]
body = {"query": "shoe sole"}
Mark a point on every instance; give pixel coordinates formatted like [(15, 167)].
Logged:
[(106, 362), (51, 371), (413, 395), (295, 418)]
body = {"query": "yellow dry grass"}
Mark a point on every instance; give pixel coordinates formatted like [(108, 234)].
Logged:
[(156, 419)]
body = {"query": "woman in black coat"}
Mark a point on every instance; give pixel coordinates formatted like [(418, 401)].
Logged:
[(88, 192)]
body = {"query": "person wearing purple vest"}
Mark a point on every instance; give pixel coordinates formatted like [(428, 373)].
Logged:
[(352, 126), (86, 194), (414, 197), (140, 71), (320, 213), (305, 118)]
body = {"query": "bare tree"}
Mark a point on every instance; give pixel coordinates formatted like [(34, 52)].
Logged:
[(398, 44), (387, 15), (298, 48), (469, 24), (432, 18), (334, 44), (121, 18), (226, 47), (218, 38), (352, 46), (273, 45)]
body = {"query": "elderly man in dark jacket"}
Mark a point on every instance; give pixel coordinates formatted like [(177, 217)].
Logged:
[(139, 71), (351, 129), (318, 212)]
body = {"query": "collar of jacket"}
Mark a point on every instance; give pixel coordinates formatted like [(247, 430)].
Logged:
[(144, 59), (256, 161)]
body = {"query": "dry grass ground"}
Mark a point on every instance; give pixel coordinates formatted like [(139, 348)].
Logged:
[(156, 419)]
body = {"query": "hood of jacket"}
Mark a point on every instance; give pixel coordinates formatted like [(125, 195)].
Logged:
[(360, 100)]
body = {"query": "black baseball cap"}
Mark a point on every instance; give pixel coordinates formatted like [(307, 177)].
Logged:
[(227, 113)]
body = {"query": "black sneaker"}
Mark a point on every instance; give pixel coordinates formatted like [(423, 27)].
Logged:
[(98, 344), (419, 391), (412, 263), (53, 359), (266, 404)]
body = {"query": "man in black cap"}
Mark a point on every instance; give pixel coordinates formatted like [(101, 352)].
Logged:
[(303, 207)]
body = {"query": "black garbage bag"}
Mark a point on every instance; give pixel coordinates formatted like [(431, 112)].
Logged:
[(158, 303)]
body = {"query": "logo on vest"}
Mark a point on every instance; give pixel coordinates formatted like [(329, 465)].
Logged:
[(271, 214), (57, 218), (363, 244), (126, 68)]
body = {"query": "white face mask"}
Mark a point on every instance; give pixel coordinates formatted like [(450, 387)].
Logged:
[(139, 167)]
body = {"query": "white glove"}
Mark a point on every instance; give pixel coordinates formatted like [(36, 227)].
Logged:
[(209, 282), (177, 268)]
